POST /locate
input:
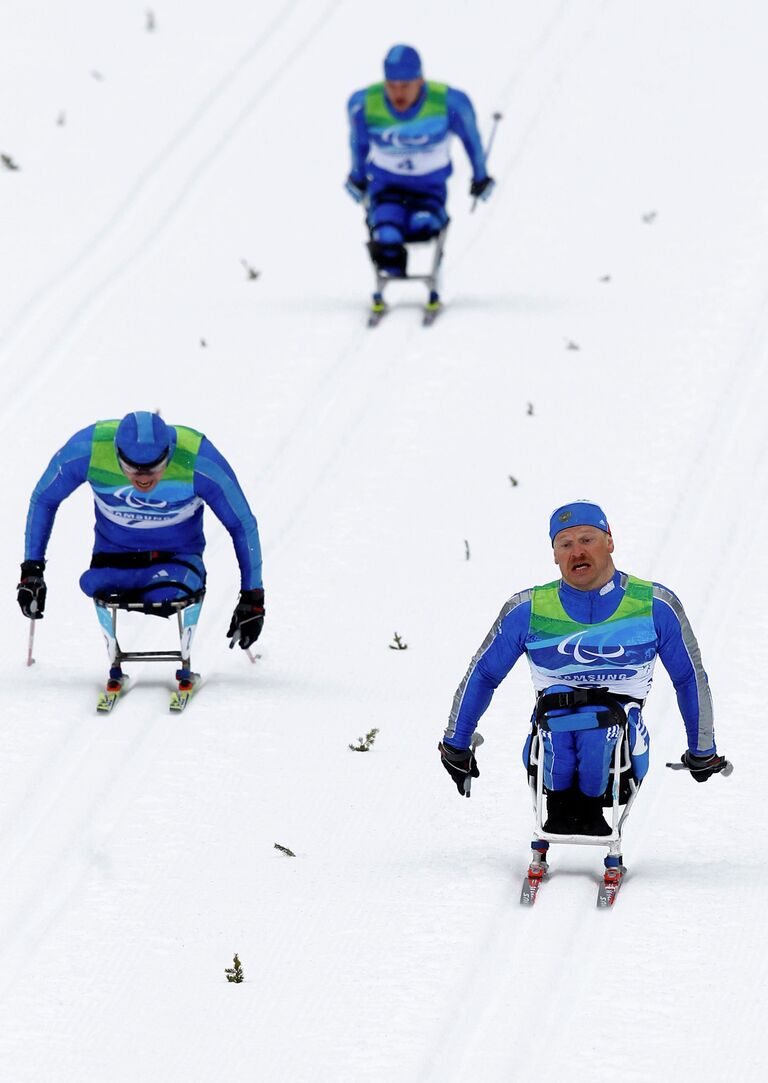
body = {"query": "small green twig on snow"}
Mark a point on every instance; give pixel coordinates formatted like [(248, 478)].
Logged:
[(364, 743), (235, 972)]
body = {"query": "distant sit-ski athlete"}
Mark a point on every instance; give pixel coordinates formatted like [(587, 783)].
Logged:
[(400, 132), (150, 483), (592, 639)]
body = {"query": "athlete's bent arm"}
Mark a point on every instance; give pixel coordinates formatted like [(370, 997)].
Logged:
[(495, 657), (66, 471), (461, 121), (216, 483), (681, 657)]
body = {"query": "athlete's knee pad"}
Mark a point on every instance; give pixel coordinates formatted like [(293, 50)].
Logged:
[(387, 234), (423, 225), (387, 212), (391, 258), (104, 581)]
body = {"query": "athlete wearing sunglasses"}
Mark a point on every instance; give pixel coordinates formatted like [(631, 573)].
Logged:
[(150, 482)]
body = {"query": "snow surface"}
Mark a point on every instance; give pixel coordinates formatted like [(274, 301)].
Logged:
[(137, 850)]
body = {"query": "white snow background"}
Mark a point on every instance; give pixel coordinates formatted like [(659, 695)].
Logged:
[(137, 850)]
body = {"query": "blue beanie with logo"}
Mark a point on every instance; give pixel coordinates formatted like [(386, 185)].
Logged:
[(143, 438), (401, 64), (577, 513)]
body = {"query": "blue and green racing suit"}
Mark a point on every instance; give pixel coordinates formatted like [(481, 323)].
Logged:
[(605, 639)]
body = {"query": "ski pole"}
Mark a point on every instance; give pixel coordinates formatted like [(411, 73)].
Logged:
[(496, 118), (477, 739), (31, 642)]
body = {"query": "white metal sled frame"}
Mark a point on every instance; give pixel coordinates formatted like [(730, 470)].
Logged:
[(187, 612), (621, 763), (431, 279)]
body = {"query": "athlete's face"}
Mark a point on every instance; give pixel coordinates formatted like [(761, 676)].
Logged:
[(583, 555), (402, 95), (144, 480)]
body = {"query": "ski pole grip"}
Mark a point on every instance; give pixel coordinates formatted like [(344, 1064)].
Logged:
[(725, 771), (477, 739)]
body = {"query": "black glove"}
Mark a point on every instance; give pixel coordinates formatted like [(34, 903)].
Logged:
[(32, 589), (701, 767), (461, 765), (356, 188), (247, 619), (481, 189)]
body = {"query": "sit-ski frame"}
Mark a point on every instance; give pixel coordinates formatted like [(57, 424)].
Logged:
[(187, 612), (621, 762), (431, 279)]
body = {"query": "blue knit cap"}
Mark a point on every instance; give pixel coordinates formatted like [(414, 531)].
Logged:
[(143, 438), (401, 64), (577, 513)]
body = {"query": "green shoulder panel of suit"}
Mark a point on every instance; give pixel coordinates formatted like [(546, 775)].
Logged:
[(549, 618), (379, 115), (104, 469)]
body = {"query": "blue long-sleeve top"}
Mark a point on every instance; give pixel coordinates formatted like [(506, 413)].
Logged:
[(169, 518), (461, 122), (676, 646)]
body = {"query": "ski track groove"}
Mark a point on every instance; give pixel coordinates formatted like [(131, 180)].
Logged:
[(27, 310), (45, 361), (527, 128), (45, 891)]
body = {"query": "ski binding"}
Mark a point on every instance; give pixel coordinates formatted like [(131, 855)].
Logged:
[(116, 686), (609, 888), (537, 870), (180, 697), (378, 311)]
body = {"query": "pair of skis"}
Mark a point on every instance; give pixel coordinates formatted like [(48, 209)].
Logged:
[(606, 892), (178, 701)]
